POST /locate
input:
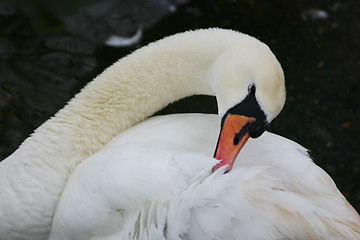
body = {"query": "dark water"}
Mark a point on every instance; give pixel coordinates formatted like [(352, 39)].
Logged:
[(50, 49)]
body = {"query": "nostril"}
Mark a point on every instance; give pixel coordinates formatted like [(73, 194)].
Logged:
[(236, 139), (239, 135)]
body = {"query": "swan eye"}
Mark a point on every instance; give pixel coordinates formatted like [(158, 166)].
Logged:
[(251, 89)]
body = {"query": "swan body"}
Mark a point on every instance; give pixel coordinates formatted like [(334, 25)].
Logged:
[(274, 191), (248, 83)]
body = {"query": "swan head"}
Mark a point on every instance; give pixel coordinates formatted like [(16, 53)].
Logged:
[(249, 85)]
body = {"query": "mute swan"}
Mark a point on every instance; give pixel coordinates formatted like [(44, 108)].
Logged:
[(274, 191), (249, 86)]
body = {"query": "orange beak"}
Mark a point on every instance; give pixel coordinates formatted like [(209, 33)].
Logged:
[(233, 136)]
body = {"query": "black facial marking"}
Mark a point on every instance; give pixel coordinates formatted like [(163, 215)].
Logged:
[(250, 107), (257, 129), (252, 89)]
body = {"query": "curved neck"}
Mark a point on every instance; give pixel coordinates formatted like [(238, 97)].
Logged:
[(127, 92)]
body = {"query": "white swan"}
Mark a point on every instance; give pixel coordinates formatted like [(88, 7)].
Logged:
[(274, 191), (248, 83)]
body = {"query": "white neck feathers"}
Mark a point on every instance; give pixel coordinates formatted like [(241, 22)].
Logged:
[(126, 93)]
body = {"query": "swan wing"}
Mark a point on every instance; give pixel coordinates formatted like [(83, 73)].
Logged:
[(161, 187)]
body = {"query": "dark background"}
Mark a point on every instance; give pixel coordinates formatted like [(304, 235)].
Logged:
[(50, 49)]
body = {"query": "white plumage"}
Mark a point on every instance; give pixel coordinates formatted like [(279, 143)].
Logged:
[(89, 173), (154, 181)]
